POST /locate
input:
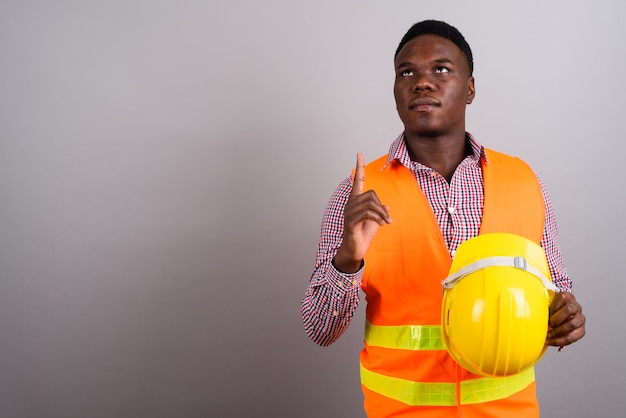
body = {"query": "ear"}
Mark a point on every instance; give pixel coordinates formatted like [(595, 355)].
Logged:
[(471, 90)]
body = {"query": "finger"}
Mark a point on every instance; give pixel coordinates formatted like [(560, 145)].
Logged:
[(359, 176), (567, 333), (564, 307), (573, 322), (567, 322), (366, 206), (387, 218), (560, 299), (374, 215)]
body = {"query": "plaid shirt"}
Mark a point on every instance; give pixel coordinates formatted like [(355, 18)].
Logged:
[(332, 297)]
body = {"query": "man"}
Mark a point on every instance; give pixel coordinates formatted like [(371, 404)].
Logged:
[(395, 241)]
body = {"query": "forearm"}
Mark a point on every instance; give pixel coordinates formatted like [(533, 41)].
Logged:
[(550, 244), (331, 297), (329, 303), (558, 270)]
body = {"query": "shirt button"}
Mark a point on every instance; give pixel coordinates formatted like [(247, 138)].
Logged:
[(340, 284), (451, 210), (335, 313)]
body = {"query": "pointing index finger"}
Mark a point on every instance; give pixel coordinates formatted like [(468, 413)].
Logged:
[(359, 176)]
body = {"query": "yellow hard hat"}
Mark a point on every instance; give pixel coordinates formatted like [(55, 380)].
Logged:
[(496, 304)]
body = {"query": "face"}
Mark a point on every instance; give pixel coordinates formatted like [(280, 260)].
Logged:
[(432, 87)]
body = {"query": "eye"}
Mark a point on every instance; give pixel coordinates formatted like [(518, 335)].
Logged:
[(406, 73), (441, 70)]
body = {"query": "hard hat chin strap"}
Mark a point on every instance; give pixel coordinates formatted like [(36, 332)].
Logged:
[(498, 261)]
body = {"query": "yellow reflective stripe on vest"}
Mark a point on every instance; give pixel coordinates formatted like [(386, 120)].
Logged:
[(410, 393), (444, 394), (406, 337), (491, 388)]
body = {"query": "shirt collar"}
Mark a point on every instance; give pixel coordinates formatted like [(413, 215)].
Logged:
[(399, 152)]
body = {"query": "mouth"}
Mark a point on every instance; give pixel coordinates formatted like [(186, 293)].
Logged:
[(423, 104)]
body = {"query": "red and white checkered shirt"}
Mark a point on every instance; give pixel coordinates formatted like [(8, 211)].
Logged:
[(332, 296)]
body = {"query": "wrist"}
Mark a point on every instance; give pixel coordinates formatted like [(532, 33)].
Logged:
[(347, 265)]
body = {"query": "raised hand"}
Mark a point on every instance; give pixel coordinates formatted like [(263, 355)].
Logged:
[(363, 214)]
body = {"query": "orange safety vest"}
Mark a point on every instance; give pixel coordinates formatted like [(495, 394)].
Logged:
[(405, 368)]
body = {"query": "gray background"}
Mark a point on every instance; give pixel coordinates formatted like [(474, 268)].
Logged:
[(164, 166)]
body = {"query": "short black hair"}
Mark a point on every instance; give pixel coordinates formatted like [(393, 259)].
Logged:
[(439, 28)]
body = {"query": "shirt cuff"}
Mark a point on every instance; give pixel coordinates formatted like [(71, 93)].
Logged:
[(345, 282)]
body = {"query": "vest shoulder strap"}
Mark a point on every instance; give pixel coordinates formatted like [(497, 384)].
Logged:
[(514, 201)]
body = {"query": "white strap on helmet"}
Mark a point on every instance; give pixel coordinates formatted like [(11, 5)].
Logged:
[(498, 261)]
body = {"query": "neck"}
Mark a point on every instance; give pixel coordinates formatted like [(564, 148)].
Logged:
[(442, 154)]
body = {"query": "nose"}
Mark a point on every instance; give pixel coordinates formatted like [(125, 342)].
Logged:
[(423, 81)]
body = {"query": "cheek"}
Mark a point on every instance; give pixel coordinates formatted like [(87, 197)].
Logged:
[(396, 92), (454, 94), (456, 98), (398, 97)]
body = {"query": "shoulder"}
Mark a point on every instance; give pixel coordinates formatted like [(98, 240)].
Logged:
[(501, 160), (493, 154), (379, 163)]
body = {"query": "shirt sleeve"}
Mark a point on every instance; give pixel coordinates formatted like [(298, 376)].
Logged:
[(550, 244), (331, 297)]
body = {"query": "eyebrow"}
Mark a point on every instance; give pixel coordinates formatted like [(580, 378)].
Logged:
[(436, 61), (443, 61)]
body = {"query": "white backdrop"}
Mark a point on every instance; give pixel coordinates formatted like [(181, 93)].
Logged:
[(164, 166)]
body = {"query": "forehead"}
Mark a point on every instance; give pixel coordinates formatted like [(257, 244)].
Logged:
[(430, 47)]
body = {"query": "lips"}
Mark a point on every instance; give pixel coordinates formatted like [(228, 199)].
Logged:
[(423, 104)]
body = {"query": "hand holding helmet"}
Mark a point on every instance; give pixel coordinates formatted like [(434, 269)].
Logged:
[(567, 322)]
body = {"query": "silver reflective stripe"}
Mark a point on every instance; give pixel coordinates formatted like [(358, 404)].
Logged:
[(498, 261)]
